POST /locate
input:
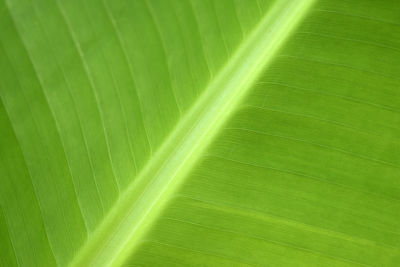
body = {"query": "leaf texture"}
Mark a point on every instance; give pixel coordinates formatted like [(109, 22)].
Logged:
[(199, 133)]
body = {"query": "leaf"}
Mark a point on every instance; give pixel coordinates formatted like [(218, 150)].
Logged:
[(199, 133)]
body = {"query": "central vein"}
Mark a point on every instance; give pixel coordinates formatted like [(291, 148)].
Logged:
[(117, 237)]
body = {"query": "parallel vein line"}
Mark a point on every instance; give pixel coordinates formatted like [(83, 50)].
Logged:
[(211, 74), (217, 255), (308, 176), (164, 53), (258, 214), (25, 161), (319, 145), (128, 62), (340, 65), (332, 122), (351, 40), (92, 86), (72, 96), (357, 16), (267, 240), (348, 98)]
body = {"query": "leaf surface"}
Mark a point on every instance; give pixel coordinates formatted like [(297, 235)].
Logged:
[(211, 133)]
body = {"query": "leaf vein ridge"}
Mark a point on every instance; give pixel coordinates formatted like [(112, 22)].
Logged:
[(141, 203)]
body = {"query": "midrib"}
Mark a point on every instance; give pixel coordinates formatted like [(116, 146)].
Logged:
[(118, 235)]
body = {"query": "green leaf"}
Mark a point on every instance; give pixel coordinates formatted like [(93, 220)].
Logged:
[(199, 133)]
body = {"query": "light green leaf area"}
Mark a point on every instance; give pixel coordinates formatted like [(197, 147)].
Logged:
[(199, 133)]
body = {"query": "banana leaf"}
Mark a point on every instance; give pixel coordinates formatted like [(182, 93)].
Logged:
[(199, 133)]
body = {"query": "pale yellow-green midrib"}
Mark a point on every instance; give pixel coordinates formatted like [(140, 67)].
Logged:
[(118, 235)]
